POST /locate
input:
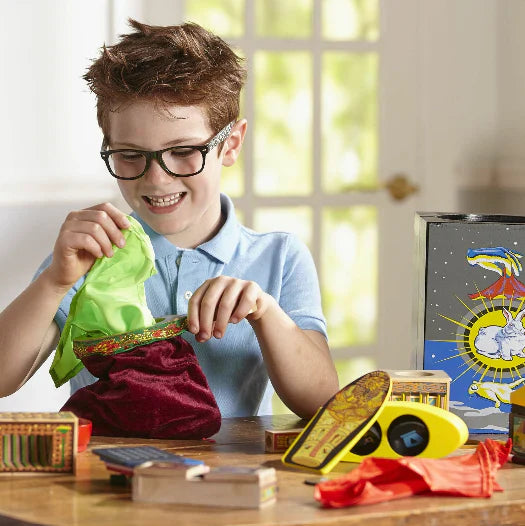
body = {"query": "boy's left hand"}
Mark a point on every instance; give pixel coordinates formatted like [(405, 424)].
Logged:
[(222, 300)]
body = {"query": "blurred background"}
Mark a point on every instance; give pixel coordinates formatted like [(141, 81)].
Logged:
[(360, 113)]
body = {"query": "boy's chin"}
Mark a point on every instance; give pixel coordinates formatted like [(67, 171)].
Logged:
[(164, 228)]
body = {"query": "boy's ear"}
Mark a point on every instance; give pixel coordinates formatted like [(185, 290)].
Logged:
[(233, 144)]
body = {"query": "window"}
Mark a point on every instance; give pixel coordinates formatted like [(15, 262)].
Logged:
[(312, 154)]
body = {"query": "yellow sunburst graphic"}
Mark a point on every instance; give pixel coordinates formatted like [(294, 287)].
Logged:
[(487, 315)]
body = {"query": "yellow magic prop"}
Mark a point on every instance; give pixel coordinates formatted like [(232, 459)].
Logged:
[(359, 421), (340, 423), (410, 429)]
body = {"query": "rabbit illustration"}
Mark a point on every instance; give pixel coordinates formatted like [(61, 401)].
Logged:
[(497, 392), (502, 342)]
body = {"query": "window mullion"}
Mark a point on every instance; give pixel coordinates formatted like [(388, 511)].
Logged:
[(316, 204), (249, 108)]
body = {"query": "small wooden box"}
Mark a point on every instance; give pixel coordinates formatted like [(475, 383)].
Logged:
[(38, 442), (230, 486), (426, 386), (279, 440)]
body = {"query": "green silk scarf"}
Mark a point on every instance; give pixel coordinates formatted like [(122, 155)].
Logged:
[(112, 300)]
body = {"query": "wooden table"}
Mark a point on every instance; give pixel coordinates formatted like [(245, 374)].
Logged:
[(89, 499)]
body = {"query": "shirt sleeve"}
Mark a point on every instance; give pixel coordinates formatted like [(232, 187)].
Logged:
[(300, 295)]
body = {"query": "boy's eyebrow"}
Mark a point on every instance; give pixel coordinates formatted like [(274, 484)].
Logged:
[(191, 141)]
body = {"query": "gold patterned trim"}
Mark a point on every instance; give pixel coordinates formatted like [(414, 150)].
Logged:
[(162, 330)]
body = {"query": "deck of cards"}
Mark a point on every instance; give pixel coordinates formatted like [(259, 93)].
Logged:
[(160, 476)]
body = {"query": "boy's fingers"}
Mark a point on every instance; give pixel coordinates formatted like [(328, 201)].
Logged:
[(95, 221), (76, 241), (226, 305), (208, 305), (94, 231), (218, 302), (119, 217), (194, 307), (247, 304)]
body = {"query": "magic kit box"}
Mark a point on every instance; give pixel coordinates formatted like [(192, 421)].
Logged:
[(470, 301)]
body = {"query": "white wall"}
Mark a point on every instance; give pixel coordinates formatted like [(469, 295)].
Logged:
[(459, 90), (50, 128), (48, 135)]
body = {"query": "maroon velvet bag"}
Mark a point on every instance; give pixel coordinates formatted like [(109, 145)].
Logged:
[(149, 385)]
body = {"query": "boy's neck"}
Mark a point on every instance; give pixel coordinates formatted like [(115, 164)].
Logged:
[(189, 240)]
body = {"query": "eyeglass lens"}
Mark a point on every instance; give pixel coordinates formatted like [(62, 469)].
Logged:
[(179, 160)]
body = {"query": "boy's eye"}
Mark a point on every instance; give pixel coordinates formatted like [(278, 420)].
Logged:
[(181, 153), (130, 156)]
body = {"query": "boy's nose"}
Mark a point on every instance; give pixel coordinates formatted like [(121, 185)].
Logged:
[(155, 172)]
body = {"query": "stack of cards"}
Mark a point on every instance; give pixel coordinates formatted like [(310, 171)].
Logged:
[(124, 459), (160, 476)]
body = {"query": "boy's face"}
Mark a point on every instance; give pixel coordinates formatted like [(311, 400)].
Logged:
[(184, 209)]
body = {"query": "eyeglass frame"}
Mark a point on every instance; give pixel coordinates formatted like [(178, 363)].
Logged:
[(157, 154)]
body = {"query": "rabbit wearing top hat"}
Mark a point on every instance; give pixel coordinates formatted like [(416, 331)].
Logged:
[(502, 342)]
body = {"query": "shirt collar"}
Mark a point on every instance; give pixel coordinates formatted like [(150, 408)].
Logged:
[(220, 247)]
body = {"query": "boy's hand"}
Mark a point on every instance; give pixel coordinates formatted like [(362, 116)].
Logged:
[(222, 300), (85, 236)]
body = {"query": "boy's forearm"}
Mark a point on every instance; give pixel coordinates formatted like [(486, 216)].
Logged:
[(298, 362), (27, 332)]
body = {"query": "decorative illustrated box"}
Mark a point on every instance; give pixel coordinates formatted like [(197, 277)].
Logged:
[(470, 302), (38, 442), (427, 387)]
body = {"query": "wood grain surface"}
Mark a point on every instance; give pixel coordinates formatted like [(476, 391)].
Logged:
[(88, 498)]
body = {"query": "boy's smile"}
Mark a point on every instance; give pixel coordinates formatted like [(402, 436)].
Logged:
[(163, 204), (184, 209)]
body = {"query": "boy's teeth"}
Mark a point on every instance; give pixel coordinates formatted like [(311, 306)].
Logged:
[(167, 200)]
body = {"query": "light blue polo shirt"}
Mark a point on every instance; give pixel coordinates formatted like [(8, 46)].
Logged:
[(281, 265)]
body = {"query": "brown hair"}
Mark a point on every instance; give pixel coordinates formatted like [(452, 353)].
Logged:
[(182, 64)]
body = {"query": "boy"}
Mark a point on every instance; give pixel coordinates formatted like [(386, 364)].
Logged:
[(168, 104)]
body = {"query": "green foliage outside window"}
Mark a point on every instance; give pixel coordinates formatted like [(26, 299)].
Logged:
[(349, 117), (223, 17), (350, 19), (284, 19), (283, 123)]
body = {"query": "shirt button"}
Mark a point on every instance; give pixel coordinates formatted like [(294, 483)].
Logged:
[(188, 294), (178, 260)]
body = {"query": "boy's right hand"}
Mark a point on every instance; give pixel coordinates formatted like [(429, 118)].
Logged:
[(85, 236)]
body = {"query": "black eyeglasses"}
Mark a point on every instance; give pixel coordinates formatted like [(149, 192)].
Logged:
[(178, 161)]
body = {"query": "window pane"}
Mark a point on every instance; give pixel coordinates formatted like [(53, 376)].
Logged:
[(223, 17), (283, 123), (239, 214), (349, 120), (349, 370), (350, 19), (275, 18), (349, 274), (232, 177), (232, 182), (296, 219)]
